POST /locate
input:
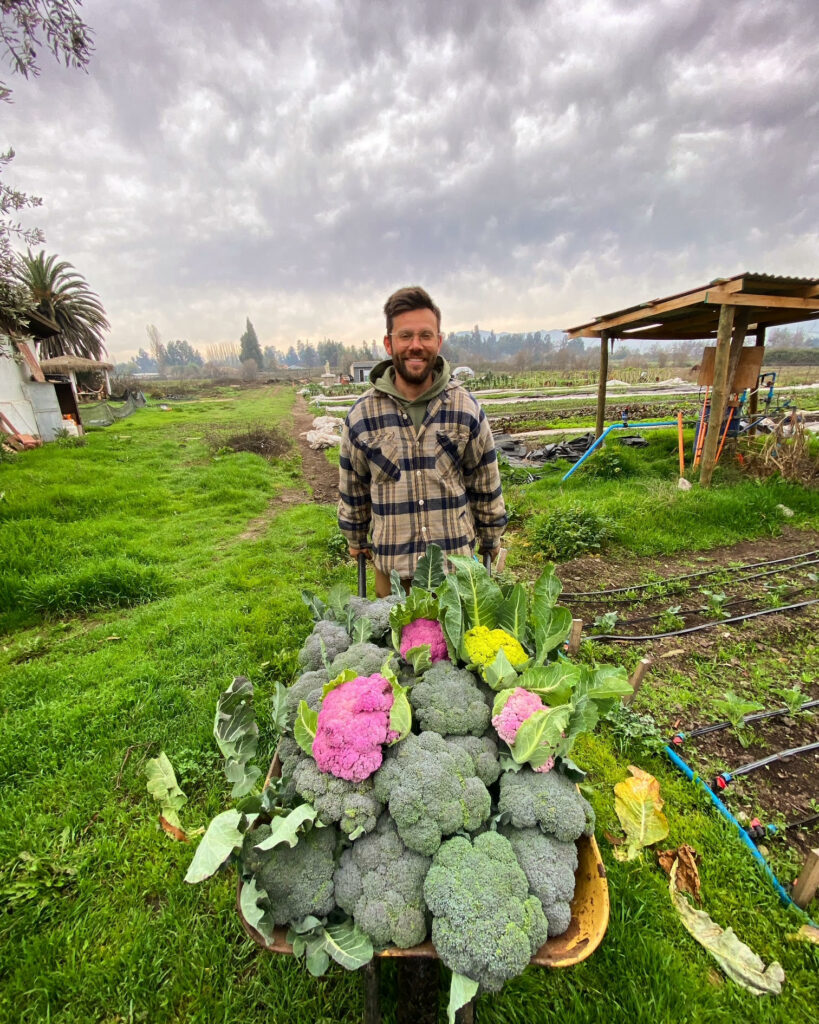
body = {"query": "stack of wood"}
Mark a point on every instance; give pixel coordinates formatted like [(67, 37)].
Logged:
[(13, 439)]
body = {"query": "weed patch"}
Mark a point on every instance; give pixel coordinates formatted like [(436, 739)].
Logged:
[(566, 533), (269, 442)]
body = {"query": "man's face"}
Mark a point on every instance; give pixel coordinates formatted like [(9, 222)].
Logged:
[(414, 345)]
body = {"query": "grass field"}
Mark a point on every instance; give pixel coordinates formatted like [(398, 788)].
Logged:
[(129, 599)]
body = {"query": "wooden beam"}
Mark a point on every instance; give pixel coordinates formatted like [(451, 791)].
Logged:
[(753, 402), (601, 385), (719, 394), (647, 312), (737, 341), (573, 644), (636, 680), (723, 298), (808, 882)]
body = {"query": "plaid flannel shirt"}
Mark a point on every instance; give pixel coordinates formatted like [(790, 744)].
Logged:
[(400, 491)]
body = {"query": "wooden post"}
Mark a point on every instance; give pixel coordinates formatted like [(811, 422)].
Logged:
[(753, 404), (601, 385), (719, 394), (637, 678), (737, 341), (372, 1002), (808, 881), (574, 636)]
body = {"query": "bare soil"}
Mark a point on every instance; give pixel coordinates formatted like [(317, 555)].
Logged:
[(320, 475)]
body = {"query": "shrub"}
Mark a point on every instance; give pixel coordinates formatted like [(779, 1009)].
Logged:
[(565, 533)]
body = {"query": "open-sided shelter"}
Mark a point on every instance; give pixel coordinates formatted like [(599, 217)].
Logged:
[(728, 310)]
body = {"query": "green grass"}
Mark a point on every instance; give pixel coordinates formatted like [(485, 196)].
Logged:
[(128, 602)]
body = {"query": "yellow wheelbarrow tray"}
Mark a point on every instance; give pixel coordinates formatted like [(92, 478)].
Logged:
[(590, 918)]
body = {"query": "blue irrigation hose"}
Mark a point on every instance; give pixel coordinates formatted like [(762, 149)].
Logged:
[(743, 835), (606, 432)]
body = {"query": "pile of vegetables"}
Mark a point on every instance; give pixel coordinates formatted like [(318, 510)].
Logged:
[(426, 788)]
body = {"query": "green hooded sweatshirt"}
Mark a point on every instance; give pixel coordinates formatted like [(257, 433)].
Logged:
[(382, 378)]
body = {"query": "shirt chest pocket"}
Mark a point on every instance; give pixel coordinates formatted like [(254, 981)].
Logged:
[(384, 457), (450, 447)]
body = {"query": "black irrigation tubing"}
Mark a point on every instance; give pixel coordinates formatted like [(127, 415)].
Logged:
[(724, 778), (812, 820), (688, 576), (757, 716), (707, 625)]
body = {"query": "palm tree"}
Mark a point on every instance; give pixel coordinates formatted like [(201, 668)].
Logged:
[(63, 295)]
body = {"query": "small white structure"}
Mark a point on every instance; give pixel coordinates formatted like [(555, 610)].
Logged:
[(463, 371), (360, 372), (27, 400)]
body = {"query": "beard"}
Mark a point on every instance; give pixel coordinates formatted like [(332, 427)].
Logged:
[(414, 376)]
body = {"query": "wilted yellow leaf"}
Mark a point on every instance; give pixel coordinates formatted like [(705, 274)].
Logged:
[(638, 805)]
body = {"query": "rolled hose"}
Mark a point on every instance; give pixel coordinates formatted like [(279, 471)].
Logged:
[(743, 835)]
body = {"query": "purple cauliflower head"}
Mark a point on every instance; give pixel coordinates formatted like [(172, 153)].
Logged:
[(520, 706), (353, 724), (425, 631)]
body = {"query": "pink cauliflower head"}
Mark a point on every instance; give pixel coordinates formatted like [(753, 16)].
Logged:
[(353, 724), (520, 706), (425, 631)]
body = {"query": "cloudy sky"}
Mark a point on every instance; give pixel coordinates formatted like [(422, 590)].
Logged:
[(533, 163)]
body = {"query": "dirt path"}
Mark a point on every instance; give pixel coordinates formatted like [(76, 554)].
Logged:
[(319, 474)]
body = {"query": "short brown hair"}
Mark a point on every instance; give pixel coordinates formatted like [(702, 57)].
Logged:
[(407, 299)]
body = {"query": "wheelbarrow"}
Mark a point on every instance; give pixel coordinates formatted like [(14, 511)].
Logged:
[(418, 967)]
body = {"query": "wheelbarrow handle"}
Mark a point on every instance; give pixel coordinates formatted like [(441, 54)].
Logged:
[(487, 562), (362, 575)]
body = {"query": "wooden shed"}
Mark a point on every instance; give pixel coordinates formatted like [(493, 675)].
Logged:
[(728, 310)]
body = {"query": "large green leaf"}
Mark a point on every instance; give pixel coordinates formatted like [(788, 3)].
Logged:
[(420, 658), (317, 607), (553, 683), (604, 684), (304, 729), (431, 569), (286, 827), (278, 708), (338, 599), (162, 786), (343, 677), (552, 626), (481, 596), (252, 912), (513, 613), (541, 732), (216, 845), (237, 735), (739, 961), (451, 615), (501, 673), (401, 711), (348, 945), (461, 991), (584, 718), (360, 630), (546, 590)]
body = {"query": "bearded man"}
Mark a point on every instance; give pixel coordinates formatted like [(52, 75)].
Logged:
[(418, 463)]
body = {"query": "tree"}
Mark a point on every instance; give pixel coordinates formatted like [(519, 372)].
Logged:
[(26, 28), (182, 353), (250, 346), (57, 291), (145, 363)]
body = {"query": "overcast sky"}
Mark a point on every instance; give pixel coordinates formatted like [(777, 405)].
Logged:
[(533, 163)]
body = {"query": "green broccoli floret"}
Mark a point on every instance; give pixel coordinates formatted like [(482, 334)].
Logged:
[(363, 659), (297, 881), (432, 791), (380, 883), (352, 804), (485, 923), (376, 612), (484, 753), (307, 687), (335, 639), (549, 865), (547, 800), (447, 701)]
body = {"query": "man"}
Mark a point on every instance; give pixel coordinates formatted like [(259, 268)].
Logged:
[(418, 463)]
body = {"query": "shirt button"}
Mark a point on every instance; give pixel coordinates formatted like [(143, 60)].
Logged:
[(421, 502), (417, 472)]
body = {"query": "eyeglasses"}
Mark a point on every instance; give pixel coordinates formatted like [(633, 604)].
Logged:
[(426, 337)]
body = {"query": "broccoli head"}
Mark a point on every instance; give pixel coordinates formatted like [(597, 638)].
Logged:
[(549, 866), (352, 805), (332, 637), (550, 801), (484, 753), (377, 612), (297, 881), (363, 659), (485, 924), (447, 701), (307, 687), (381, 884), (432, 791)]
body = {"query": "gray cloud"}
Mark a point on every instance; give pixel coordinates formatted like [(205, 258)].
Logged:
[(534, 163)]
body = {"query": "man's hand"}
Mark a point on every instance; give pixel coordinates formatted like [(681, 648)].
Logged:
[(497, 556), (355, 552)]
